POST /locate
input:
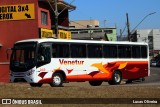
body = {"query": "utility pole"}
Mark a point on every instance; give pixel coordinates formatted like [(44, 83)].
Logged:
[(120, 34), (55, 10), (128, 27), (56, 18)]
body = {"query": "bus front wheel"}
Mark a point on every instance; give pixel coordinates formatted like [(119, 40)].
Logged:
[(95, 83), (116, 78), (57, 80)]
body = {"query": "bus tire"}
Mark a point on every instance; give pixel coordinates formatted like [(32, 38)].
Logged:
[(57, 80), (143, 79), (36, 84), (95, 83), (129, 81), (116, 78)]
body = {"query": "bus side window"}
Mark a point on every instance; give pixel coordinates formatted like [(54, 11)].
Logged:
[(127, 51), (136, 52), (121, 52), (144, 51), (78, 51), (124, 51), (110, 51), (54, 50), (60, 50), (94, 51)]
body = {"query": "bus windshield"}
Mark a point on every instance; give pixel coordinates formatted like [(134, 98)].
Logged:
[(23, 57)]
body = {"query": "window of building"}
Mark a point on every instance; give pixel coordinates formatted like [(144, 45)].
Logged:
[(44, 17), (110, 51), (72, 26), (78, 51), (108, 31), (94, 51), (74, 32), (97, 31), (84, 31)]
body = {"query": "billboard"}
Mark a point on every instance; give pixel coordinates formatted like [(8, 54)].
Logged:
[(17, 12)]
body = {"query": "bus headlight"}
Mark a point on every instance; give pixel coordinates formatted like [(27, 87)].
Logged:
[(30, 72)]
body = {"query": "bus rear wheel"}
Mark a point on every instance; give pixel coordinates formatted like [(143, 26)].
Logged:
[(129, 81), (36, 84), (116, 78), (57, 80), (95, 83)]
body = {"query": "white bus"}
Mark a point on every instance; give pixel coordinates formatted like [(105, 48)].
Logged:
[(56, 61)]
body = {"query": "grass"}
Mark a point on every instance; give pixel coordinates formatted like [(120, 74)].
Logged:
[(79, 90)]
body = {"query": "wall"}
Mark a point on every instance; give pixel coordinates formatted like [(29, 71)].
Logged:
[(156, 39), (142, 35), (94, 33), (112, 36), (84, 23), (145, 36), (12, 31)]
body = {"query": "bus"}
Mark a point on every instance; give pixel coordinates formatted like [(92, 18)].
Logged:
[(56, 61)]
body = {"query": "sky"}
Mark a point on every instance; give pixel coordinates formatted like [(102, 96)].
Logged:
[(114, 12)]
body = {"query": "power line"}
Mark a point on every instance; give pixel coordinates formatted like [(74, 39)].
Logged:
[(124, 29)]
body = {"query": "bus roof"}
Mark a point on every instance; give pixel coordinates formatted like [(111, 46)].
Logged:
[(82, 41)]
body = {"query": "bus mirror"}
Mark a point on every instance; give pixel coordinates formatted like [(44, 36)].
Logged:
[(8, 53)]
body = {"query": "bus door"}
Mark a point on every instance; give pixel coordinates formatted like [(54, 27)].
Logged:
[(44, 58)]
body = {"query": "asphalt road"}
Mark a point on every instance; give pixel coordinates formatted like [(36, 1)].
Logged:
[(153, 79)]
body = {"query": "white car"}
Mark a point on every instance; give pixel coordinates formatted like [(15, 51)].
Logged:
[(153, 63)]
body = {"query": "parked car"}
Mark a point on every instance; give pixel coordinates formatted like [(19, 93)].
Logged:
[(153, 63)]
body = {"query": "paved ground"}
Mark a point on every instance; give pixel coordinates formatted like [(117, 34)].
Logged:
[(153, 79), (147, 89)]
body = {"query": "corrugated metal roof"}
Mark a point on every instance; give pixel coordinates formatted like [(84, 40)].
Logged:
[(61, 4)]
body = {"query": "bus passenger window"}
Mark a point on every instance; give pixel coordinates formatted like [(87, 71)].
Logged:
[(121, 52), (60, 50), (95, 51), (143, 51), (124, 51), (127, 51), (136, 52), (54, 50), (78, 51), (110, 51)]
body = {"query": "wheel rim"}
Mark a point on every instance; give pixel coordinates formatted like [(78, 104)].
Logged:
[(117, 77), (57, 80)]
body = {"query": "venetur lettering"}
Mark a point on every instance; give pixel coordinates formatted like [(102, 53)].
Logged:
[(75, 62)]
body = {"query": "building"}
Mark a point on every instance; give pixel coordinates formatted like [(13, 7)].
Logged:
[(84, 24), (152, 36), (26, 19), (89, 29)]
